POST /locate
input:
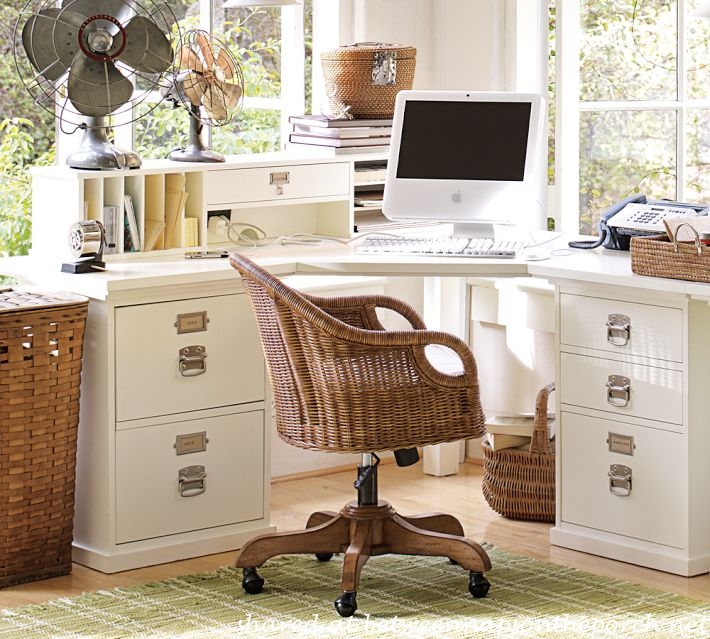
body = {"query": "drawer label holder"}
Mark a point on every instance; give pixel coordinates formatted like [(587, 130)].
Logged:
[(191, 322), (191, 443), (622, 444), (278, 179), (191, 481)]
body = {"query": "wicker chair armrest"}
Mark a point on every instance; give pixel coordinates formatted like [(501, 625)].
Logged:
[(384, 387), (343, 307), (417, 341), (379, 338)]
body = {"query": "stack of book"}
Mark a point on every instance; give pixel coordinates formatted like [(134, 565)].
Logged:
[(340, 135), (513, 431)]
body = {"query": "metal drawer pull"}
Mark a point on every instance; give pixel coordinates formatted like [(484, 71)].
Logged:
[(193, 361), (618, 329), (618, 390), (191, 481), (278, 179), (619, 480)]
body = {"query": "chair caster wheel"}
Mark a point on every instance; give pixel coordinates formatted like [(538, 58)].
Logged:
[(346, 604), (324, 556), (251, 581), (478, 585)]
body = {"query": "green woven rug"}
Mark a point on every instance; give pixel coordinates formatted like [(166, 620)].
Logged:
[(411, 597)]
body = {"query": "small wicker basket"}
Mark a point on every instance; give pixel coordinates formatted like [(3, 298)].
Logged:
[(663, 256), (519, 483), (41, 343), (362, 80)]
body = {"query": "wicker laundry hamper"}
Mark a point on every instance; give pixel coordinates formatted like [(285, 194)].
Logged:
[(41, 343), (362, 80), (519, 483)]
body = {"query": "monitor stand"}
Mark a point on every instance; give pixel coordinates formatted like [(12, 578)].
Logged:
[(480, 230)]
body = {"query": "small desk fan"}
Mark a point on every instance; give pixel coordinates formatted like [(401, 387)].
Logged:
[(84, 59), (209, 83)]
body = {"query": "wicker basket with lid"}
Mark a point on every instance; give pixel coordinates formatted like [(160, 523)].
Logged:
[(363, 79)]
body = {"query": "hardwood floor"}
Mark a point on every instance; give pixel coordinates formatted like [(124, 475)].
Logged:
[(410, 491)]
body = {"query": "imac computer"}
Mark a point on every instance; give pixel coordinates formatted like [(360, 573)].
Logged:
[(464, 157)]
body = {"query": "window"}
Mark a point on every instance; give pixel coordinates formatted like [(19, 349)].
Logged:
[(269, 44), (633, 105)]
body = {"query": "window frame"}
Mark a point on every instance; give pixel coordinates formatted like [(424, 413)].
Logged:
[(569, 108)]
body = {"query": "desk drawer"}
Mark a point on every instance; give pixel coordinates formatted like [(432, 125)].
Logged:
[(653, 331), (653, 393), (654, 510), (226, 187), (151, 501), (155, 376)]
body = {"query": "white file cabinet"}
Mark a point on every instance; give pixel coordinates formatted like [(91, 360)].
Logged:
[(173, 453), (174, 444), (633, 480)]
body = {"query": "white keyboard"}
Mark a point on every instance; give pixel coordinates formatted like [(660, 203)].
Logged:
[(441, 247)]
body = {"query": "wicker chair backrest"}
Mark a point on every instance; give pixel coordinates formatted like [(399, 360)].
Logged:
[(342, 383)]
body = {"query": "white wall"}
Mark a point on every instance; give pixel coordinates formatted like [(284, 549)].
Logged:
[(472, 44)]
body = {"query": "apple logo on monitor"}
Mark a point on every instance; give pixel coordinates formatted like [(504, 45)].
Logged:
[(457, 197)]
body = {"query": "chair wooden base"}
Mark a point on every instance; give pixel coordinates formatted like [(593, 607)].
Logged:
[(364, 531)]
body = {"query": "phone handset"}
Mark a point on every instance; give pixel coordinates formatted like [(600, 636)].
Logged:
[(603, 226)]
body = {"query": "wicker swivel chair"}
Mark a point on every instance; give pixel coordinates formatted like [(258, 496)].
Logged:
[(342, 383)]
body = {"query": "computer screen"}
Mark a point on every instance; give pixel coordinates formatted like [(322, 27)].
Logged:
[(465, 157)]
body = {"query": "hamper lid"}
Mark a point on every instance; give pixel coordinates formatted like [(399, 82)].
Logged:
[(365, 50), (13, 299)]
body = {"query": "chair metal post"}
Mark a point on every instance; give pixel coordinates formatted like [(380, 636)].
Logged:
[(366, 482)]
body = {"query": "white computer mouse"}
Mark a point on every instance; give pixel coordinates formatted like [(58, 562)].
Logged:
[(536, 253)]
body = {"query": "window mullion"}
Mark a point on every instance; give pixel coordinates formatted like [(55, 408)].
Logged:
[(567, 116), (681, 120), (292, 65)]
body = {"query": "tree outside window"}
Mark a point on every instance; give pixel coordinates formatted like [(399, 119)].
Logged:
[(643, 113)]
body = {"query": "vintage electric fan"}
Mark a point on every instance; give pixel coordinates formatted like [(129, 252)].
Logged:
[(209, 83), (85, 61)]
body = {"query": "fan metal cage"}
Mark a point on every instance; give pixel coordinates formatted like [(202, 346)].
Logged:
[(209, 83), (209, 77), (91, 63)]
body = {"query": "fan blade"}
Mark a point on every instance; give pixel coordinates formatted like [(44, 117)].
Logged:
[(147, 47), (97, 88), (50, 39), (193, 87), (230, 93), (214, 103), (224, 62), (206, 49), (189, 60), (122, 10)]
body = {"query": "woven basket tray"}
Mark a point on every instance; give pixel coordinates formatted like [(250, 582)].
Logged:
[(41, 340), (362, 80), (661, 256), (519, 483)]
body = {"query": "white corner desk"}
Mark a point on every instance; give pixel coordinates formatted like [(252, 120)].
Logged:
[(633, 366)]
